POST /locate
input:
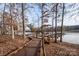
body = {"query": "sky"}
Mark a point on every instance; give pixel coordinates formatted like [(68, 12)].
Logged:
[(71, 16)]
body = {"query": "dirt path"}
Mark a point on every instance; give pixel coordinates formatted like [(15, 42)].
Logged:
[(32, 49)]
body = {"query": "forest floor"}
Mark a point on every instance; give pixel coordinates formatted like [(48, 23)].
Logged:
[(62, 49), (8, 45)]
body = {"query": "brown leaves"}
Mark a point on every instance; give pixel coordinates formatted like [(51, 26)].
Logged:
[(10, 22)]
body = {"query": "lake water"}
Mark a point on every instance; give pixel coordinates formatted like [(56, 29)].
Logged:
[(71, 38)]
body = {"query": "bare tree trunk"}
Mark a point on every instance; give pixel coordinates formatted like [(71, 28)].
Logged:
[(23, 20), (37, 32), (12, 28), (56, 24), (12, 32), (52, 25), (62, 23), (42, 32), (3, 28)]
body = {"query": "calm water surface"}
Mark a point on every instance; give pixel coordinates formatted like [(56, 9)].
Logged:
[(71, 38)]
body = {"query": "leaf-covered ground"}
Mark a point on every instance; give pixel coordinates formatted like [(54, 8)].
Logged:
[(62, 49), (8, 45)]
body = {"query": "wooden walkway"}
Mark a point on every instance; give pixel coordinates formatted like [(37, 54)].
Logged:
[(31, 49)]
